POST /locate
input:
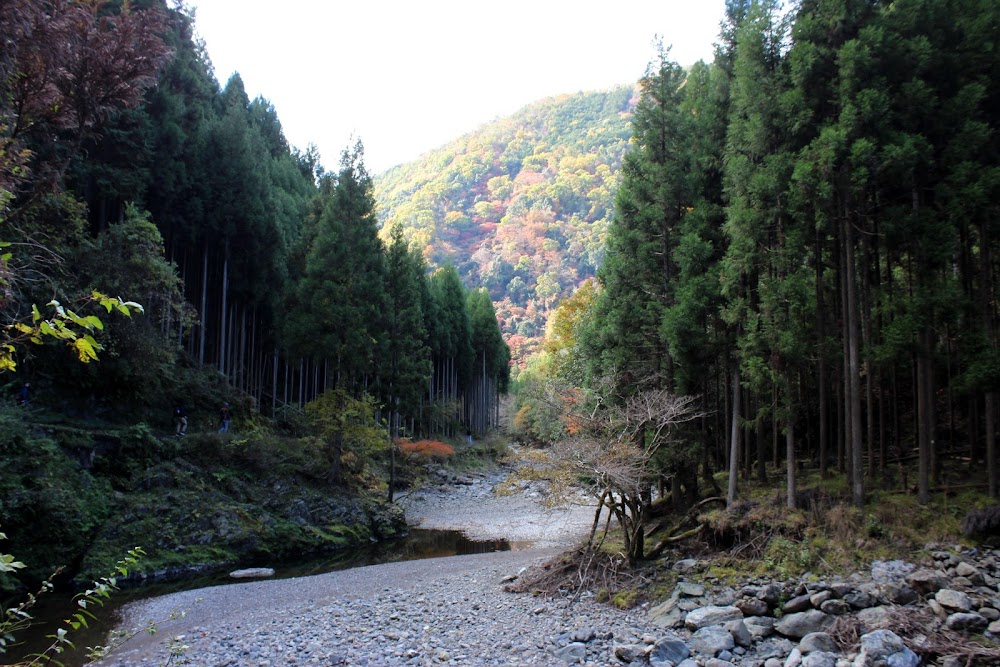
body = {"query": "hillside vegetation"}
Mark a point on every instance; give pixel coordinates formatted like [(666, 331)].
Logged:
[(520, 206)]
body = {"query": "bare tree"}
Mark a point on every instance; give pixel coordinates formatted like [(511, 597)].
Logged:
[(613, 448)]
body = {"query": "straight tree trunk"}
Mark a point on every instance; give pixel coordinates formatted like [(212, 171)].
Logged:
[(734, 440)]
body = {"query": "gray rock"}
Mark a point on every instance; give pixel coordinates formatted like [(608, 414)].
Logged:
[(860, 599), (961, 583), (725, 655), (797, 604), (952, 661), (759, 626), (574, 653), (964, 569), (817, 599), (752, 607), (899, 594), (667, 614), (841, 588), (905, 658), (994, 627), (820, 659), (685, 565), (874, 618), (953, 600), (989, 613), (801, 624), (891, 571), (771, 594), (630, 652), (925, 581), (583, 635), (252, 573), (835, 607), (711, 640), (718, 662), (817, 641), (876, 647), (794, 658), (773, 647), (706, 616), (690, 589), (668, 652), (741, 635), (773, 662), (966, 622), (688, 663), (938, 610)]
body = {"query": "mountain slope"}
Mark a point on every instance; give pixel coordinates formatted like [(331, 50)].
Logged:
[(520, 206)]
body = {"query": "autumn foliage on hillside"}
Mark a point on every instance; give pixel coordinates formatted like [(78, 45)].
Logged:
[(521, 206)]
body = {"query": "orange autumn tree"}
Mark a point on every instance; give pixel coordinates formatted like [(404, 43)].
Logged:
[(428, 449)]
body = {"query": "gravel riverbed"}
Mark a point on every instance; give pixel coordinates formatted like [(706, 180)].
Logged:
[(443, 611)]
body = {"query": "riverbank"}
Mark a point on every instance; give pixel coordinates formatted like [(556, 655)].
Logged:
[(431, 612)]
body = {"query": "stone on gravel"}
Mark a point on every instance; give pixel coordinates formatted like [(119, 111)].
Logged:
[(741, 635), (926, 581), (629, 653), (718, 662), (686, 565), (803, 623), (689, 589), (760, 626), (900, 594), (874, 618), (668, 652), (572, 653), (885, 572), (877, 646), (820, 659), (752, 606), (953, 600), (705, 616), (817, 641), (835, 607), (583, 635), (966, 622), (712, 640), (860, 600), (797, 604), (252, 573)]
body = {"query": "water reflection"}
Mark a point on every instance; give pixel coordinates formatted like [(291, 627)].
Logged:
[(418, 544)]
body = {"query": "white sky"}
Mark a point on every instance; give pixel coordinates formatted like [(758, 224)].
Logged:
[(407, 77)]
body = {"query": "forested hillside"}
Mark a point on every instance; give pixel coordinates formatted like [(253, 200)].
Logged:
[(521, 206), (806, 242)]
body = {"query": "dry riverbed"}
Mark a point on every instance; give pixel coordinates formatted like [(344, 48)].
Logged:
[(431, 612)]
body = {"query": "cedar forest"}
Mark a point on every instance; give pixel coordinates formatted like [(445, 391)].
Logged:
[(798, 235)]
